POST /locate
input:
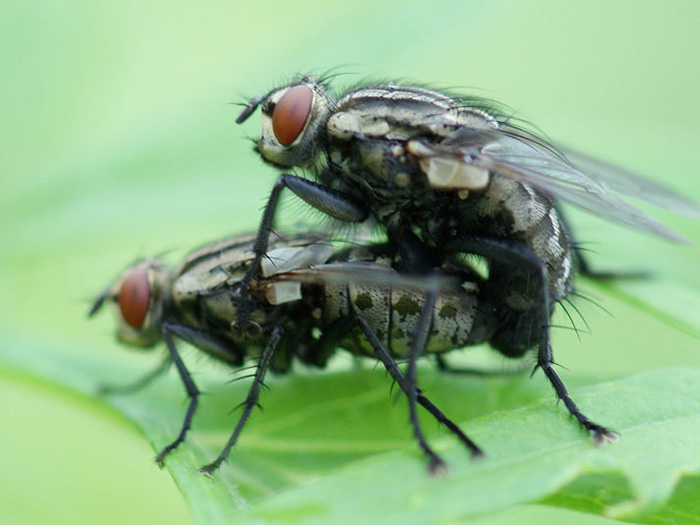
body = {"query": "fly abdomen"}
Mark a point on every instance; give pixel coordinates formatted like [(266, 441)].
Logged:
[(520, 215), (393, 313)]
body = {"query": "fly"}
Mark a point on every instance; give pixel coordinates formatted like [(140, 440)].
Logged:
[(352, 297), (445, 176)]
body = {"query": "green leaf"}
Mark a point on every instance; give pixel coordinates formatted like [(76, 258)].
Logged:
[(531, 454), (323, 436)]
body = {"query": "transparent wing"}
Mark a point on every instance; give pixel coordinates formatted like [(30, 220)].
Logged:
[(525, 159), (627, 183)]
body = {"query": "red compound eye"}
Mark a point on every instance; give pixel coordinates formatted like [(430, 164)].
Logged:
[(134, 297), (291, 113)]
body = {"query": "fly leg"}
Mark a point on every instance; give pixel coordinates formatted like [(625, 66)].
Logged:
[(545, 360), (420, 337), (446, 367), (584, 267), (190, 388), (142, 381), (408, 382), (139, 383), (334, 334), (333, 203), (250, 403), (205, 341), (522, 257), (395, 372)]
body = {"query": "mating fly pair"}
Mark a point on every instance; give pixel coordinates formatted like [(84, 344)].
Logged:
[(310, 299), (447, 179)]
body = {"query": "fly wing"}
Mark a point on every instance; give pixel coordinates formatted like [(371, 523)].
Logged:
[(523, 157), (368, 274), (527, 163), (627, 183)]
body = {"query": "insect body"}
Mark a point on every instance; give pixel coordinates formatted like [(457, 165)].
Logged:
[(446, 176), (351, 297)]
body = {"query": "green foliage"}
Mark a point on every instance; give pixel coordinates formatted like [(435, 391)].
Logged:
[(333, 447)]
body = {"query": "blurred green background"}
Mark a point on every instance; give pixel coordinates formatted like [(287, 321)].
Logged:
[(119, 141)]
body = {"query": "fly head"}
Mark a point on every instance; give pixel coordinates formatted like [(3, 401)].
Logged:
[(139, 297), (292, 121)]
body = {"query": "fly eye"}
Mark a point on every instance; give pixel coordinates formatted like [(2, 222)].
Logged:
[(134, 297), (291, 113)]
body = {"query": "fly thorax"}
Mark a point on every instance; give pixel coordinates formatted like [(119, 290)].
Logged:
[(374, 165), (367, 145)]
